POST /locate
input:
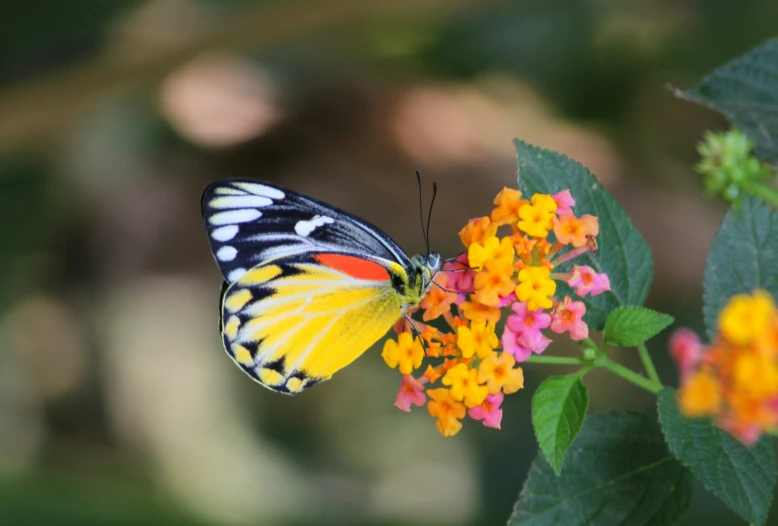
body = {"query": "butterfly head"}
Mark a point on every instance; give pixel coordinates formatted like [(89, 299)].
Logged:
[(426, 266)]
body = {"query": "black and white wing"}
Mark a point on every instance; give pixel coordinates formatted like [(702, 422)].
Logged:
[(249, 222)]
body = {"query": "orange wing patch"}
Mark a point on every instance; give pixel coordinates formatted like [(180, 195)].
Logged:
[(355, 267)]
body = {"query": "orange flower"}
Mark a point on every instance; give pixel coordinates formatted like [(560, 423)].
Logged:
[(571, 230), (700, 395), (477, 230), (437, 301), (474, 311), (494, 283), (507, 202), (447, 410), (498, 374)]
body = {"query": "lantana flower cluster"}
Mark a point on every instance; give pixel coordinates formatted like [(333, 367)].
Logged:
[(735, 379), (469, 367)]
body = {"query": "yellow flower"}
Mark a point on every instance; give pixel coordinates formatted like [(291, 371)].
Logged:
[(507, 202), (497, 373), (494, 282), (536, 287), (756, 375), (407, 353), (447, 410), (474, 311), (492, 250), (700, 395), (478, 339), (746, 318), (476, 230), (464, 385), (538, 218)]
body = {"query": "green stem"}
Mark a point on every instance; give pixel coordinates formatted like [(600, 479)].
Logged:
[(764, 191), (630, 376), (648, 364), (559, 360)]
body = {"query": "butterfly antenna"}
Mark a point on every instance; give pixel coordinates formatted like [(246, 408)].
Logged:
[(421, 212), (429, 215)]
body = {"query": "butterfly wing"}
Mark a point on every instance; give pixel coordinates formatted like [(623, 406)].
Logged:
[(295, 320), (309, 287), (249, 222)]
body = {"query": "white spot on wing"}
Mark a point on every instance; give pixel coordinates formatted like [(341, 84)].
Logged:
[(236, 274), (225, 233), (226, 253), (235, 216), (240, 201), (229, 191), (304, 228), (260, 189)]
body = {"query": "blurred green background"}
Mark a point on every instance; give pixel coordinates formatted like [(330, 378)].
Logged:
[(117, 403)]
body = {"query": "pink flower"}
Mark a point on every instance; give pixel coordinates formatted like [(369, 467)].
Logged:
[(522, 335), (460, 279), (686, 350), (564, 202), (507, 300), (489, 411), (586, 281), (411, 393), (566, 317), (527, 320), (521, 345)]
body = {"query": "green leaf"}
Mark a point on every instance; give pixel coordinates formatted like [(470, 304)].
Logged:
[(618, 472), (745, 91), (558, 412), (744, 257), (623, 254), (630, 326), (740, 476)]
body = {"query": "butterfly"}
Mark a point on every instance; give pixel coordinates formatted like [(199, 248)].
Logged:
[(307, 287)]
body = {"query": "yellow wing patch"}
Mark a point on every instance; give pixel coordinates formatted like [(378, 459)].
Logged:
[(290, 325)]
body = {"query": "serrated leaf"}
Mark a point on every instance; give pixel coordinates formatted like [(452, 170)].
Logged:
[(630, 326), (618, 472), (745, 91), (743, 257), (742, 477), (623, 253), (558, 412)]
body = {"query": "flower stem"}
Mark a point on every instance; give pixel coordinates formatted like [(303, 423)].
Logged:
[(764, 191), (630, 376), (648, 364), (559, 360)]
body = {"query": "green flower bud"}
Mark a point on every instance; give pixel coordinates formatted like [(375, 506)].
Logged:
[(727, 166)]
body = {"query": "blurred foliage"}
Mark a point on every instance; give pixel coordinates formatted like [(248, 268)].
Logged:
[(27, 211)]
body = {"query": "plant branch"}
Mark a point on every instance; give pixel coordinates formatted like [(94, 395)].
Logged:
[(630, 376), (559, 360), (648, 364)]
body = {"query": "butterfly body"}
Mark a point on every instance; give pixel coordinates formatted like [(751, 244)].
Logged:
[(308, 287)]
